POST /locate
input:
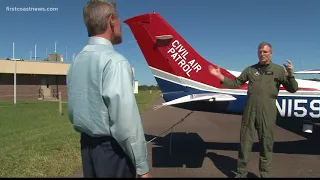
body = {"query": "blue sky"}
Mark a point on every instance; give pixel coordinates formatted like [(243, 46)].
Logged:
[(225, 32)]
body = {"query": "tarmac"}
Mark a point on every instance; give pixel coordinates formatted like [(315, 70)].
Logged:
[(206, 145)]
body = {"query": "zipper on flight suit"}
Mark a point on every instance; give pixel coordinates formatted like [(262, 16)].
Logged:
[(261, 74)]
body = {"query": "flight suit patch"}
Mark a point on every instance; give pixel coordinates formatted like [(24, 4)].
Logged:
[(269, 73), (256, 73)]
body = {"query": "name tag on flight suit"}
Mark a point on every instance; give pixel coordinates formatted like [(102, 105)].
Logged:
[(269, 73)]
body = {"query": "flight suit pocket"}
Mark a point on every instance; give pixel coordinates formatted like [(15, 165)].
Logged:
[(268, 78), (270, 85)]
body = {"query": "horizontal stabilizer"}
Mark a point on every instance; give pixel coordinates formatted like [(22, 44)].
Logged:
[(199, 97)]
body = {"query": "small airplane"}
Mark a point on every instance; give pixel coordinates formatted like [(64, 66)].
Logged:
[(185, 81)]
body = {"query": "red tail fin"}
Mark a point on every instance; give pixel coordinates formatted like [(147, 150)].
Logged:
[(165, 50)]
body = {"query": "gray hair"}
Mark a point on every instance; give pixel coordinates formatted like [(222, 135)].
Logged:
[(96, 14), (261, 45)]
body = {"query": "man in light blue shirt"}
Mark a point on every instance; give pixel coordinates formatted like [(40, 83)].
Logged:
[(101, 102)]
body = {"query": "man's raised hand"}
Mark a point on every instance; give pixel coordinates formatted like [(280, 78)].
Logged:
[(289, 66), (216, 72)]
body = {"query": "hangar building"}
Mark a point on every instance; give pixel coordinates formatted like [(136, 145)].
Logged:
[(36, 79)]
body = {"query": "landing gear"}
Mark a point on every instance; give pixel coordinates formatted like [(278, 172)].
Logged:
[(307, 127)]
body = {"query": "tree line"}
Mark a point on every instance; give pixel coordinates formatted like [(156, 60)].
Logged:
[(156, 87), (146, 87)]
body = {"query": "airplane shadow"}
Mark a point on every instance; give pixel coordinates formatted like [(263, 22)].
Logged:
[(189, 150)]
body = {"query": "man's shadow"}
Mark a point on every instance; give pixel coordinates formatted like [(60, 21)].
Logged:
[(189, 150), (226, 164)]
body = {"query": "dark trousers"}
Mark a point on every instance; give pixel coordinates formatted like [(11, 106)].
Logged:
[(103, 157)]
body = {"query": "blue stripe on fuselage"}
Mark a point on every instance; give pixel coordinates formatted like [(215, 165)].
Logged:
[(305, 108), (175, 91), (168, 87)]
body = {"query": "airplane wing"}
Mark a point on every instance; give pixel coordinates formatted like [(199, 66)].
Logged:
[(311, 71), (199, 97)]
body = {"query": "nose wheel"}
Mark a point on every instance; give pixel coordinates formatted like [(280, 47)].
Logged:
[(307, 127)]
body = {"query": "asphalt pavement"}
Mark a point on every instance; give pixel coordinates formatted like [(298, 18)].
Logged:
[(206, 145)]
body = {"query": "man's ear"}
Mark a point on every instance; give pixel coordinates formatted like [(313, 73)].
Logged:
[(111, 22)]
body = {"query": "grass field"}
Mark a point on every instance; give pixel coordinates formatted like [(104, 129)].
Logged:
[(38, 142)]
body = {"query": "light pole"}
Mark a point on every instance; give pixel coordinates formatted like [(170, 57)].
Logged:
[(35, 53), (14, 77)]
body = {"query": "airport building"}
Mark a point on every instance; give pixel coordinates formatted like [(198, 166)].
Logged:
[(36, 79)]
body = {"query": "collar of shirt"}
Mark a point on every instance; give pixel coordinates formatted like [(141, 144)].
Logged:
[(100, 41)]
